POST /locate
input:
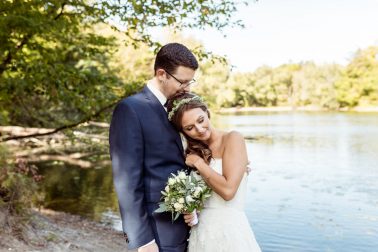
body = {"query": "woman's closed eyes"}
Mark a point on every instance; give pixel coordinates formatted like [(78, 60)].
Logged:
[(190, 127)]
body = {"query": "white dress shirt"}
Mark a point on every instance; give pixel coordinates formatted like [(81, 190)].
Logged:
[(158, 94)]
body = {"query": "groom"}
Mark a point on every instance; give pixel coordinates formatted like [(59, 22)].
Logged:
[(145, 149)]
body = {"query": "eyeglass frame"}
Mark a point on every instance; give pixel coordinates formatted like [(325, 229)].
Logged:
[(185, 84)]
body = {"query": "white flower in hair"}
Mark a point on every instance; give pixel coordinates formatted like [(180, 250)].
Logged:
[(178, 104)]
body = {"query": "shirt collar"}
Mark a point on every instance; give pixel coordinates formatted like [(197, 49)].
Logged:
[(159, 95)]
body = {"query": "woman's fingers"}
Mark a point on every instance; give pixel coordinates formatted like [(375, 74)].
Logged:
[(188, 217)]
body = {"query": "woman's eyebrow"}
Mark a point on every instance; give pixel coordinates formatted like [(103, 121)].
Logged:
[(200, 117), (187, 125)]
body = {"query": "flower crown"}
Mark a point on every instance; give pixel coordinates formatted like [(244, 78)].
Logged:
[(178, 103)]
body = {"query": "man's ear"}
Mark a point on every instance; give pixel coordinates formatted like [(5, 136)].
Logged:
[(160, 74)]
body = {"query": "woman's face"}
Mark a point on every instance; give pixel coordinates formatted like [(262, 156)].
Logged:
[(196, 124)]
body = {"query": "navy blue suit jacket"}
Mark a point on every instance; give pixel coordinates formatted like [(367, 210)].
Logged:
[(145, 149)]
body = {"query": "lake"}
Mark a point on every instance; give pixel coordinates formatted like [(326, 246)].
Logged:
[(313, 187)]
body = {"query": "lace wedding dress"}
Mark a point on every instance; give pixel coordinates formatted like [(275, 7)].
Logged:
[(223, 225)]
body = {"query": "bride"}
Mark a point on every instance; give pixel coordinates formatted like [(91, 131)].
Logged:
[(221, 158)]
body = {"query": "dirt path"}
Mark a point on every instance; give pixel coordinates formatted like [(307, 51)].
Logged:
[(56, 231)]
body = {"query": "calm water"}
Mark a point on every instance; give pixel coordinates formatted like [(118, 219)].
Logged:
[(314, 186)]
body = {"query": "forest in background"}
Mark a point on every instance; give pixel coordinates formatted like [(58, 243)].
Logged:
[(325, 87)]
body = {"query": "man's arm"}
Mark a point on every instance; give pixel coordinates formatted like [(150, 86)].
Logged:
[(126, 151)]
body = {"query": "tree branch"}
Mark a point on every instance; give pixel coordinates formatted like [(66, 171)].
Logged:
[(61, 11), (68, 126), (9, 56), (66, 159)]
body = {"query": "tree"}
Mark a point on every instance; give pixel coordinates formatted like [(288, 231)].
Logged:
[(54, 64), (359, 82), (213, 82), (314, 85)]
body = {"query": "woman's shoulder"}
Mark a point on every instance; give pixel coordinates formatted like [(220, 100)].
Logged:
[(234, 136), (233, 140)]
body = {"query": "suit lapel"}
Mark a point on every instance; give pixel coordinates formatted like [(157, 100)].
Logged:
[(154, 103)]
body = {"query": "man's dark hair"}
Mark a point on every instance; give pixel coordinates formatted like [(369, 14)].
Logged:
[(173, 55)]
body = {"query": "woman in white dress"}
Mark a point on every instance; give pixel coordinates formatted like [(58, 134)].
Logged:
[(221, 159)]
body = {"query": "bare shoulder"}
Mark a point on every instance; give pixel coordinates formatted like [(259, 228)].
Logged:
[(234, 141), (234, 137), (235, 149)]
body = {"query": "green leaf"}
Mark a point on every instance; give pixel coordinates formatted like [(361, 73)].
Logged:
[(176, 216), (162, 208)]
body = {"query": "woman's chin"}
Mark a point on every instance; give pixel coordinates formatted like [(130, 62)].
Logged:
[(204, 137)]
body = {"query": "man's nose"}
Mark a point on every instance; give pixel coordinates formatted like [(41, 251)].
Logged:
[(187, 89)]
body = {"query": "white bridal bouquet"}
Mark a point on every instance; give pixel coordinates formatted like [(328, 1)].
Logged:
[(184, 194)]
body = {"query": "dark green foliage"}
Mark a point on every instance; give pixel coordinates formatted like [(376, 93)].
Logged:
[(56, 66)]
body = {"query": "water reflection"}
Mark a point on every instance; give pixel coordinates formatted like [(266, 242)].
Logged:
[(87, 192), (313, 188)]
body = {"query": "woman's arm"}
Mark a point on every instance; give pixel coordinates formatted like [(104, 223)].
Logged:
[(234, 161)]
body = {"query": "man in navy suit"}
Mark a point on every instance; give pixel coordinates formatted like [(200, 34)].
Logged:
[(145, 149)]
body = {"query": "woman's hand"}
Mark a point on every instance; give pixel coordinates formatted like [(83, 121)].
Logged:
[(192, 160), (191, 219)]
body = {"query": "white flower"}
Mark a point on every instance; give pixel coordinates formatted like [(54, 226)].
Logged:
[(189, 198), (171, 181), (182, 192), (197, 191), (182, 175), (196, 175), (178, 206)]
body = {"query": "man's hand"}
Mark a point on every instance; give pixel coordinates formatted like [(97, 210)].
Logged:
[(153, 247)]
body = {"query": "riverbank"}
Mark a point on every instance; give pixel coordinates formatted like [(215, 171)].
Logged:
[(288, 109), (49, 230)]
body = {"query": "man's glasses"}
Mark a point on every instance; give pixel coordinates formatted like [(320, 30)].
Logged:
[(182, 84)]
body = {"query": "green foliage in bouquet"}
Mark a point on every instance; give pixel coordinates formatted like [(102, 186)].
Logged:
[(183, 194)]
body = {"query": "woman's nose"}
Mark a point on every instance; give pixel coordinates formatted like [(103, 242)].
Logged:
[(200, 129)]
